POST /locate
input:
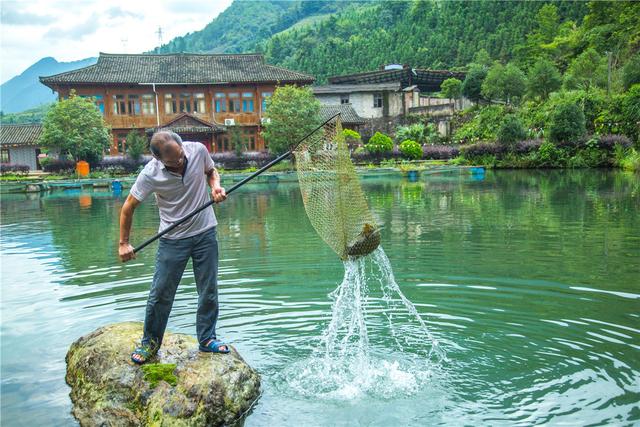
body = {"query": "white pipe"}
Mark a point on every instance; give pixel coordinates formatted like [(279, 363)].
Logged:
[(157, 107)]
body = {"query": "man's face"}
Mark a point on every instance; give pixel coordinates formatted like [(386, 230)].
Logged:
[(173, 156)]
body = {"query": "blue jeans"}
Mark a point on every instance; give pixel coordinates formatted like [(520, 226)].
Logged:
[(171, 261)]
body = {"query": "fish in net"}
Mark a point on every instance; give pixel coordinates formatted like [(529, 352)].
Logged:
[(332, 195)]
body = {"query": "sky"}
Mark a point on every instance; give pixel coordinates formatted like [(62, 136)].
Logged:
[(76, 29)]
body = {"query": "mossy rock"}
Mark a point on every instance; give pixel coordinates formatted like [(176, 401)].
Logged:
[(180, 386)]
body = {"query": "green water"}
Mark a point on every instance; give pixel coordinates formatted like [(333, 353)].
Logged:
[(530, 282)]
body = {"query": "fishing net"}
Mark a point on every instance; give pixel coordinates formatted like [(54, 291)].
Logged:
[(332, 195)]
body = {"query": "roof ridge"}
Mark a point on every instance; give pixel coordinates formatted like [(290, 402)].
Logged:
[(181, 54), (291, 71)]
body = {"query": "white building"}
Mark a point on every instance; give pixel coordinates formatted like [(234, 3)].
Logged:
[(19, 144)]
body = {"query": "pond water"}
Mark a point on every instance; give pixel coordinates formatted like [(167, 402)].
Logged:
[(528, 280)]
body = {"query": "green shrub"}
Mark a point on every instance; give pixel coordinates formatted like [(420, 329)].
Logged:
[(411, 149), (627, 158), (482, 126), (351, 137), (511, 131), (550, 156), (136, 145), (379, 143), (567, 124)]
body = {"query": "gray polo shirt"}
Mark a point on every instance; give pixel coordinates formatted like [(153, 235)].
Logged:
[(179, 195)]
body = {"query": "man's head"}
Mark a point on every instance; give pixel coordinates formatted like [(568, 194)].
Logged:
[(166, 146)]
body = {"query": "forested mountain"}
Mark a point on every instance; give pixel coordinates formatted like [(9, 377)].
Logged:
[(327, 37), (245, 24), (422, 33)]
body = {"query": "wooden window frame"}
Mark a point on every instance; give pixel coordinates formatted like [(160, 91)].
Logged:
[(148, 102), (4, 151), (220, 102), (378, 97)]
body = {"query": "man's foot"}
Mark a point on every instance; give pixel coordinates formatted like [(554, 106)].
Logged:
[(143, 353), (214, 346)]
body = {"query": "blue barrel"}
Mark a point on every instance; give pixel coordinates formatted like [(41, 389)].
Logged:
[(116, 186), (477, 174), (412, 176)]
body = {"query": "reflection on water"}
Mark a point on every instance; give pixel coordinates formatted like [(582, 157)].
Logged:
[(528, 280)]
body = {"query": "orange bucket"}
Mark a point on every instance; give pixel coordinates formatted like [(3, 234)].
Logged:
[(82, 168)]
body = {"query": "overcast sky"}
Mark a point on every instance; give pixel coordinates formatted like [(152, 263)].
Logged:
[(72, 30)]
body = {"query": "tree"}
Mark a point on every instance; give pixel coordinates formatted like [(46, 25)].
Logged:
[(452, 89), (587, 70), (567, 124), (472, 85), (74, 126), (511, 131), (293, 112), (544, 78), (136, 145), (507, 83), (631, 71)]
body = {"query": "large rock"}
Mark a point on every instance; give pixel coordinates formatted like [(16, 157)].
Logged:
[(107, 389)]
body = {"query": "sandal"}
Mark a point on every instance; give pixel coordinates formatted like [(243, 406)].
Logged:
[(147, 351), (213, 346)]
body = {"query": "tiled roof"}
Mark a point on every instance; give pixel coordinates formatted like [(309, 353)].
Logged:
[(187, 123), (18, 135), (427, 80), (178, 68), (348, 115), (351, 88)]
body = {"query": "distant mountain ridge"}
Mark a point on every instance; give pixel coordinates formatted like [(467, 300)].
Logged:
[(25, 91)]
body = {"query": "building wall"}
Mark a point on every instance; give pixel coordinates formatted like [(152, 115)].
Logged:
[(23, 156), (362, 103), (123, 123)]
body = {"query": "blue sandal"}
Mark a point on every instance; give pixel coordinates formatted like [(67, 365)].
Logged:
[(147, 351), (214, 347)]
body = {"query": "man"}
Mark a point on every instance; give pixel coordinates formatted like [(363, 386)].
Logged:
[(178, 174)]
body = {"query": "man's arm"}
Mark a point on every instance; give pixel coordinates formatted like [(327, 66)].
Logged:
[(217, 192), (125, 250)]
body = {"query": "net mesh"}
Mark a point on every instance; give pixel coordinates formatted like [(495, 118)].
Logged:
[(331, 192)]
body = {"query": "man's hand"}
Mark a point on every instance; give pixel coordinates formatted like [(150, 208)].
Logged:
[(218, 194), (125, 251)]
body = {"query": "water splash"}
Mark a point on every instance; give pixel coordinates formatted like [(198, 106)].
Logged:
[(397, 357)]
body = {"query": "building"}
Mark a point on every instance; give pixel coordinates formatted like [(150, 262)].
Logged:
[(383, 97), (202, 97), (19, 144), (348, 116)]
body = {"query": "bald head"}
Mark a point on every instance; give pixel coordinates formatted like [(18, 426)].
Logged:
[(162, 141)]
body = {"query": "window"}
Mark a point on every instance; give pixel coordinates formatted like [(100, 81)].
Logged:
[(249, 139), (344, 98), (221, 102), (265, 95), (185, 102), (247, 102), (199, 103), (121, 143), (133, 105), (169, 103), (377, 100), (119, 105), (4, 155), (222, 143), (234, 102), (99, 101), (148, 104)]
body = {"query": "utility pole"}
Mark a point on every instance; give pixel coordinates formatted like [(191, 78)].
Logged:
[(159, 33)]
